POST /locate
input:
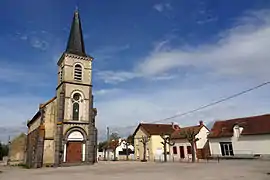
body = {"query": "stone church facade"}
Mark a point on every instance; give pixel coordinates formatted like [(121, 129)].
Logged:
[(63, 130)]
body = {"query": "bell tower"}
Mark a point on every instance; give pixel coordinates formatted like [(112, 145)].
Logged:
[(75, 134)]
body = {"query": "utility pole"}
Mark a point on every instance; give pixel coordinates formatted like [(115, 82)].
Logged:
[(9, 145), (108, 142), (166, 140)]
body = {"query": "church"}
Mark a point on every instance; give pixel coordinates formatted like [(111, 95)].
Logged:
[(63, 131)]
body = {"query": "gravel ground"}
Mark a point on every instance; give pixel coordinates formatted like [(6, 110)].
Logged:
[(225, 170)]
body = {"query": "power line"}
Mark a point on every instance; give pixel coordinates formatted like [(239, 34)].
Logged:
[(207, 105), (214, 103)]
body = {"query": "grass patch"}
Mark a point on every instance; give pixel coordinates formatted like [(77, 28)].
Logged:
[(25, 166)]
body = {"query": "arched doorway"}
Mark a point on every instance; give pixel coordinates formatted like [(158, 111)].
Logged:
[(74, 149)]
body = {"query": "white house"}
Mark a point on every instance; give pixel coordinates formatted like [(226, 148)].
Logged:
[(182, 148), (120, 151), (242, 137)]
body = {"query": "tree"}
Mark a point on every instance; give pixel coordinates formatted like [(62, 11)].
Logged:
[(114, 136), (114, 143), (102, 145), (3, 150), (166, 140), (130, 140), (190, 135), (144, 140), (127, 149)]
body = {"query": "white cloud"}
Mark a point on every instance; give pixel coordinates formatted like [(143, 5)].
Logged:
[(129, 107), (241, 51), (109, 51), (162, 7), (103, 92), (14, 110), (237, 61), (36, 39), (39, 43), (112, 77)]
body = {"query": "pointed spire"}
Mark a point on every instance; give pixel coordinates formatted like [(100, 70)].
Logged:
[(75, 43)]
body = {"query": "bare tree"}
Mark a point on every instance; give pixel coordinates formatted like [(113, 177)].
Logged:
[(166, 141), (114, 143), (144, 140), (190, 135), (127, 150), (129, 141)]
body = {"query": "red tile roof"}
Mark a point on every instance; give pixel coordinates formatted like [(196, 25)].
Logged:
[(251, 126), (179, 134), (155, 129)]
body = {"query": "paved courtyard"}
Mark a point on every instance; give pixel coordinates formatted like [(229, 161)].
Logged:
[(225, 170)]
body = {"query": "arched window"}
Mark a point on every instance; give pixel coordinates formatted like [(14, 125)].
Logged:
[(78, 72), (76, 107), (76, 111)]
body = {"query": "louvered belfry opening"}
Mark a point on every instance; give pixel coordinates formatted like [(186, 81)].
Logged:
[(78, 72)]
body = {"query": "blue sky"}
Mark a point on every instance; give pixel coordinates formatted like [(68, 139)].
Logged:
[(153, 59)]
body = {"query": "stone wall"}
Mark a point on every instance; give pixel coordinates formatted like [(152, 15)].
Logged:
[(17, 150), (35, 147), (50, 128)]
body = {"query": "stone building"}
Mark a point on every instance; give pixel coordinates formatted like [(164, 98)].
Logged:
[(17, 149), (63, 130)]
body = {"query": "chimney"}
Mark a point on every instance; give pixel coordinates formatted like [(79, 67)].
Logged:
[(175, 126), (201, 123)]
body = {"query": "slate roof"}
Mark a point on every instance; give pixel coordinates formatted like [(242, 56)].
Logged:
[(254, 125), (75, 43)]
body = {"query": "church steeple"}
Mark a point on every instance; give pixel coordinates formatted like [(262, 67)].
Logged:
[(75, 43)]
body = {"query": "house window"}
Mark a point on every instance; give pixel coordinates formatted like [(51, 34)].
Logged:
[(189, 150), (174, 150), (78, 72), (226, 149)]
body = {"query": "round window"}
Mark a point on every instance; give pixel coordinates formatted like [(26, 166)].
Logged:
[(76, 96)]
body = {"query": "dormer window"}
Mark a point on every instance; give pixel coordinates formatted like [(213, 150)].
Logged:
[(78, 72), (237, 130)]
